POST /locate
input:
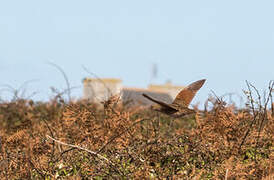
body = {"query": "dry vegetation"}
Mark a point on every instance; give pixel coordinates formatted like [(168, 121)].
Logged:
[(59, 139)]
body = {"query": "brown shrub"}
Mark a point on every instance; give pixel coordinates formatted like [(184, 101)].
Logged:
[(135, 143)]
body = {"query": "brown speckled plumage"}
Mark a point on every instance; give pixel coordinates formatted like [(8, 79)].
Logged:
[(179, 107)]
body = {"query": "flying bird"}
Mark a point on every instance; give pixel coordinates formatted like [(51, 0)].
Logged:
[(179, 107)]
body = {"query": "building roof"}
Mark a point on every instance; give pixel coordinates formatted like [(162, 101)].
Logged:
[(143, 90), (106, 80), (133, 96), (164, 86)]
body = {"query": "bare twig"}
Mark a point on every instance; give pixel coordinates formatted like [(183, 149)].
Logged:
[(36, 169), (264, 116), (65, 77), (229, 97), (31, 95), (97, 77), (217, 98), (261, 111), (53, 143), (226, 174), (60, 94), (220, 101), (18, 93), (78, 147), (22, 88), (271, 100), (253, 112), (118, 135), (259, 97)]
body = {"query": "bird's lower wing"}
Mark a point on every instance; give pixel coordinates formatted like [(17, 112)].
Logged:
[(165, 105)]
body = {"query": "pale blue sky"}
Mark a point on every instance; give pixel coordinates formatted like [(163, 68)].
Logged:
[(226, 42)]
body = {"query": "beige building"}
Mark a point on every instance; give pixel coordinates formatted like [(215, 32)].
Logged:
[(98, 90), (168, 87), (134, 97)]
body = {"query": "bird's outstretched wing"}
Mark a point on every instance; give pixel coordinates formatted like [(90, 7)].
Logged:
[(187, 94), (164, 105)]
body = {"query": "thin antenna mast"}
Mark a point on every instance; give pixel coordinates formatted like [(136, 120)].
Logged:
[(154, 72)]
